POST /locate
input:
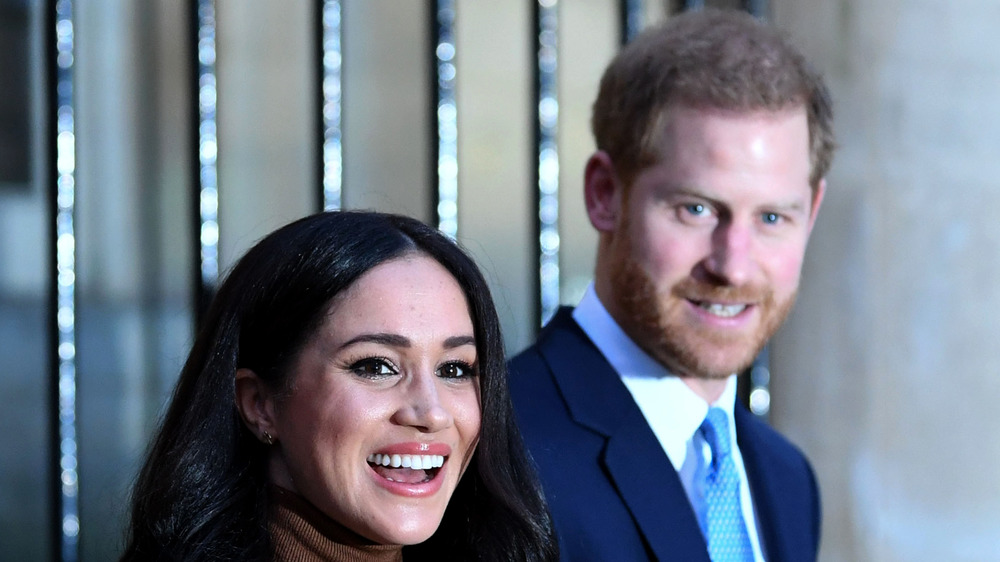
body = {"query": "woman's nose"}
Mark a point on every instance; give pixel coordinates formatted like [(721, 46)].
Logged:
[(421, 406)]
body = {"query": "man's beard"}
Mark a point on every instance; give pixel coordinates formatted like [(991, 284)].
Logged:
[(655, 322)]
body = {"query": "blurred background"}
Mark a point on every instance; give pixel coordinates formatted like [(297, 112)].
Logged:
[(117, 123)]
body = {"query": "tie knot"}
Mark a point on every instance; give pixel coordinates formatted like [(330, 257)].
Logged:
[(716, 431)]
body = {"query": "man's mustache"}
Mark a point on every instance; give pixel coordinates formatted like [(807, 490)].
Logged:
[(694, 290)]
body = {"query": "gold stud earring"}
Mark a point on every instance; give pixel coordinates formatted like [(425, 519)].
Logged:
[(268, 439)]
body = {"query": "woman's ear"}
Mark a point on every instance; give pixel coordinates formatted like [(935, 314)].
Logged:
[(255, 402)]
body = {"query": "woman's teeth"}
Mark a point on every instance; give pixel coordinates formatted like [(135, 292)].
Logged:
[(416, 462)]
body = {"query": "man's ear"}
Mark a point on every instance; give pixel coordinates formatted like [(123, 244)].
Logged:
[(601, 189), (817, 200), (255, 402)]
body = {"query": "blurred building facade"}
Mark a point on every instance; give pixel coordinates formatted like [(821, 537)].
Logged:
[(884, 374)]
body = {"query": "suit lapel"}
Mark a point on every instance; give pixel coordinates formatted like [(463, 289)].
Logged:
[(633, 458), (648, 484), (765, 478)]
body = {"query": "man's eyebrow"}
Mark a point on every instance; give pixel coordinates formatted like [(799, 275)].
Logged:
[(673, 191), (787, 206)]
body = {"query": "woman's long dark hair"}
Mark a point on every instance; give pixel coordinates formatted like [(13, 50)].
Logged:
[(202, 492)]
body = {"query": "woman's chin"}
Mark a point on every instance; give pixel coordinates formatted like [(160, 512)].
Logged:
[(409, 510), (406, 533)]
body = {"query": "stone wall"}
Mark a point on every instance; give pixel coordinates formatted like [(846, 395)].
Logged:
[(887, 371)]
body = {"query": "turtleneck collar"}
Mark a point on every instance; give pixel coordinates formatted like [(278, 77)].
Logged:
[(302, 533)]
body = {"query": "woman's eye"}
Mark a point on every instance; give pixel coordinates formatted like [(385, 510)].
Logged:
[(456, 370), (373, 367)]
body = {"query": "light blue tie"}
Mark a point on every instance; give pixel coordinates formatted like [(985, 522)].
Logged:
[(726, 531)]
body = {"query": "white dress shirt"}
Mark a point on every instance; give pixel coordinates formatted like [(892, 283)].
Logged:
[(672, 409)]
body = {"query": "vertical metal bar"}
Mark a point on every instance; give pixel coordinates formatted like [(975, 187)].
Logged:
[(446, 115), (547, 170), (331, 103), (66, 482), (206, 192), (757, 391), (631, 18)]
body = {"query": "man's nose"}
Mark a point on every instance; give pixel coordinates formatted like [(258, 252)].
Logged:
[(421, 406), (731, 258)]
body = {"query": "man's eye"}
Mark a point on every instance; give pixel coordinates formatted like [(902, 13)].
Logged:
[(696, 209), (372, 367), (771, 218), (456, 370)]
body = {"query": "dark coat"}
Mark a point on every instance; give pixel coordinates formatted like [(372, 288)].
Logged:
[(613, 493)]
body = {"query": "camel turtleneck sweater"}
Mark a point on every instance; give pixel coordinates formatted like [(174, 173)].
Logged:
[(302, 533)]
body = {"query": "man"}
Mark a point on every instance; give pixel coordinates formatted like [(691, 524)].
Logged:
[(713, 140)]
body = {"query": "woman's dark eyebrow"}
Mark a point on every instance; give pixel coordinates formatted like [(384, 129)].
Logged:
[(396, 340), (459, 341), (392, 340)]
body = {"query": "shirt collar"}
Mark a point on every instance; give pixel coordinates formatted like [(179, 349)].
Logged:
[(673, 410)]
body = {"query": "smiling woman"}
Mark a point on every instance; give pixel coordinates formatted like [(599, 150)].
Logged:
[(346, 399)]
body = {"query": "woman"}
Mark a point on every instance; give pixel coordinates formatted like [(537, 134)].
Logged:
[(343, 353)]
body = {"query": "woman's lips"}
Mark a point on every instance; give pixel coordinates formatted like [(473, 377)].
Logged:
[(410, 469)]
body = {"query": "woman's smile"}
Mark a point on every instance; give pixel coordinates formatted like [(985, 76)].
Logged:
[(410, 469)]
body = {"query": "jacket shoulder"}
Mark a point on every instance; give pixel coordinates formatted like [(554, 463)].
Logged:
[(785, 489)]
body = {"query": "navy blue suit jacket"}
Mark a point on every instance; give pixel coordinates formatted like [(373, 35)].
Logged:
[(613, 493)]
